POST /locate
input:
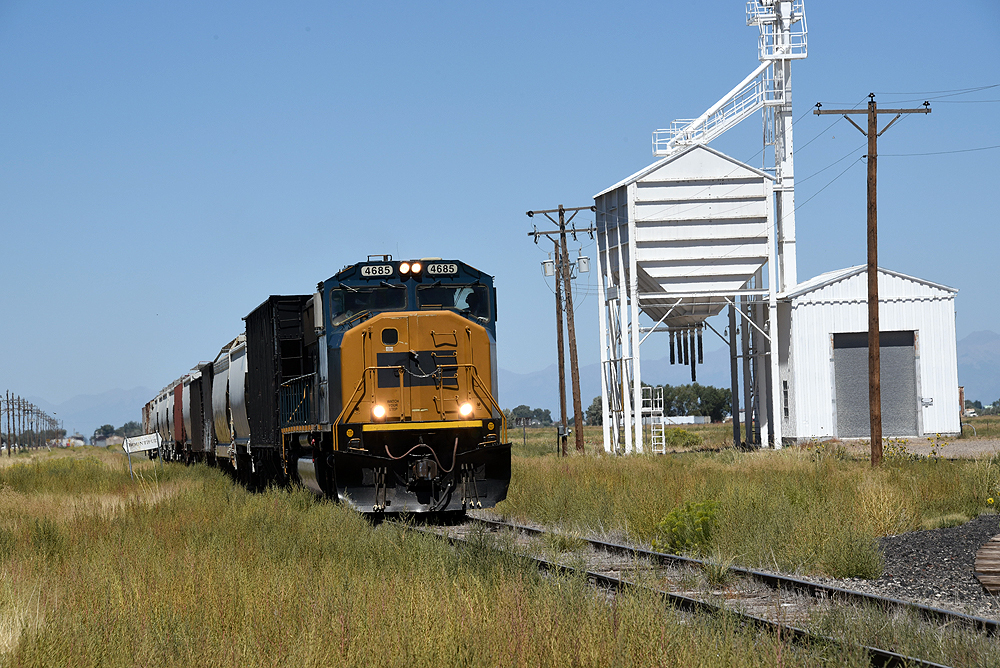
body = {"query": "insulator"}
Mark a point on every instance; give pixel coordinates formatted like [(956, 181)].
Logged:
[(684, 336), (672, 359)]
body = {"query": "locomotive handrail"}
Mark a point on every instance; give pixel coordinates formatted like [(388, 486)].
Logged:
[(489, 395), (349, 320), (292, 380), (289, 391), (351, 405)]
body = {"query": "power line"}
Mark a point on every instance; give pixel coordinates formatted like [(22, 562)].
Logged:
[(934, 96), (826, 186), (961, 150), (849, 154), (823, 132), (935, 92), (965, 101)]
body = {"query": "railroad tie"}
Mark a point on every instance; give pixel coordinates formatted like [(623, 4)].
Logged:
[(988, 565)]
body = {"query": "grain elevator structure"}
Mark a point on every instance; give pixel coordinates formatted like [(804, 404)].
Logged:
[(698, 232)]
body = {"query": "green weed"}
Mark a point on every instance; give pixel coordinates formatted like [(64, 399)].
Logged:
[(676, 438), (687, 528), (944, 521)]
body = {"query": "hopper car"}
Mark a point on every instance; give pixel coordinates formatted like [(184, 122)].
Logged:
[(378, 390)]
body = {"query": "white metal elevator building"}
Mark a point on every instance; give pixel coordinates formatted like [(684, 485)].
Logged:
[(823, 356)]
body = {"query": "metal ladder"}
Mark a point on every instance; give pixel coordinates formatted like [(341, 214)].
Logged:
[(652, 407)]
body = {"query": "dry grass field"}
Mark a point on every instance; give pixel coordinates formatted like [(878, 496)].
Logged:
[(814, 509), (182, 567)]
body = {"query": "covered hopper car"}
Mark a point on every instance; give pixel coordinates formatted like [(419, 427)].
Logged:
[(378, 390)]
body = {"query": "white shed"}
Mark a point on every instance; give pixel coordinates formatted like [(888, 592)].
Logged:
[(823, 356)]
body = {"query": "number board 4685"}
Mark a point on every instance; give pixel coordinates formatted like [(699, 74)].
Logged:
[(442, 268), (370, 270)]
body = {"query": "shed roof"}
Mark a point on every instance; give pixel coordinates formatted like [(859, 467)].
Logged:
[(645, 171), (837, 275)]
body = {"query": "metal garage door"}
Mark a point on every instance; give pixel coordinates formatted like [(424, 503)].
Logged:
[(898, 380)]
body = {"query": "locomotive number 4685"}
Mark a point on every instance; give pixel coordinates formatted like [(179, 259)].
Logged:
[(376, 270), (442, 269)]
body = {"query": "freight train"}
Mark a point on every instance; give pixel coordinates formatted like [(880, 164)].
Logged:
[(378, 390)]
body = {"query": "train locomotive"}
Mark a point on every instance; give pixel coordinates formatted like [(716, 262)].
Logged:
[(378, 390)]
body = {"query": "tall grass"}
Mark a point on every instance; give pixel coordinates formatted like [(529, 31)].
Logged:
[(541, 441), (801, 510), (205, 573), (983, 426)]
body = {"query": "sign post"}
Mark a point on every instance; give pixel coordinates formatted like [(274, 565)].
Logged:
[(141, 444)]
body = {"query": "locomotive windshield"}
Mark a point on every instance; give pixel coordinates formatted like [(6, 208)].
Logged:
[(472, 300), (345, 303)]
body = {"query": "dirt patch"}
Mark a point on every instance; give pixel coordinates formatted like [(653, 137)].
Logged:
[(965, 448)]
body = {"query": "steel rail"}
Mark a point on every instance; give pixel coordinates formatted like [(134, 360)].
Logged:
[(878, 658), (783, 582)]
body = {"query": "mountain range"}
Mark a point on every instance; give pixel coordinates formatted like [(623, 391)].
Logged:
[(86, 412), (978, 370), (979, 366)]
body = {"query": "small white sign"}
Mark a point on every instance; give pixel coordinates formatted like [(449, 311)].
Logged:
[(374, 270), (142, 443), (442, 269)]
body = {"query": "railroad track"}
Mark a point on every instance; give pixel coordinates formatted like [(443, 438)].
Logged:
[(766, 601), (775, 581)]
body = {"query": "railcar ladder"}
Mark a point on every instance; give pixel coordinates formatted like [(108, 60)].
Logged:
[(652, 409)]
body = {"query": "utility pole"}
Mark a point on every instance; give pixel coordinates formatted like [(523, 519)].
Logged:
[(562, 355), (874, 349), (563, 274)]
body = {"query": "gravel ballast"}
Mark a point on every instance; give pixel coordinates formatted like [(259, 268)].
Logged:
[(935, 568)]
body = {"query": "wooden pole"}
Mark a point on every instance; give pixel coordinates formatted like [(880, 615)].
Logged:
[(563, 282), (874, 351), (574, 367), (562, 355)]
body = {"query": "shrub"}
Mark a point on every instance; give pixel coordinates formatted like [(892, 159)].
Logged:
[(852, 554), (687, 528), (675, 437)]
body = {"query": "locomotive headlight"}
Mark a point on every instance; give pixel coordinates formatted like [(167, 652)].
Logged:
[(404, 267), (416, 267), (378, 412), (465, 409)]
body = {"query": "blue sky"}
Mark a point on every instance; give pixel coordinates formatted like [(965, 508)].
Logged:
[(166, 166)]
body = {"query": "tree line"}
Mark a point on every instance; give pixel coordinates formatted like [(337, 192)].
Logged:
[(692, 399), (989, 409), (127, 430), (541, 416)]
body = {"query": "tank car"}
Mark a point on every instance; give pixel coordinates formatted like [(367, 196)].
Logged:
[(378, 390)]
